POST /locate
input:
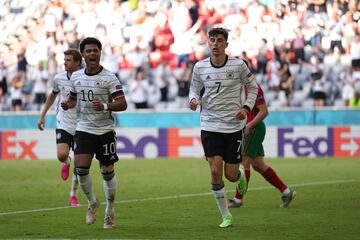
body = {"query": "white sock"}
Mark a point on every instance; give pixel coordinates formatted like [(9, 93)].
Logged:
[(220, 198), (74, 185), (86, 185), (110, 192), (68, 160), (237, 200), (286, 191)]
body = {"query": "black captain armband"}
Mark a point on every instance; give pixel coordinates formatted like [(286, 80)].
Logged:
[(118, 94)]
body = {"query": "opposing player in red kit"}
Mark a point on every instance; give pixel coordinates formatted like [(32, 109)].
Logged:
[(253, 154)]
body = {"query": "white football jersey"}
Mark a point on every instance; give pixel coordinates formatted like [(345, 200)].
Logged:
[(65, 120), (221, 93), (88, 87)]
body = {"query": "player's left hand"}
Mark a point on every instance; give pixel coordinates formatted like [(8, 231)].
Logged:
[(242, 114), (41, 124), (194, 104), (97, 106)]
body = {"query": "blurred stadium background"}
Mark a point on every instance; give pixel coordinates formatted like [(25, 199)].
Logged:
[(298, 49), (305, 54)]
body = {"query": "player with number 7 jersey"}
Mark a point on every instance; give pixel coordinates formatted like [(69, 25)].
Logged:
[(218, 87)]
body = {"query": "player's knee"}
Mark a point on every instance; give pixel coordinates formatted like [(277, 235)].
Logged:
[(246, 162), (232, 176), (107, 172), (215, 171), (255, 167), (258, 166), (62, 156), (107, 168), (81, 171)]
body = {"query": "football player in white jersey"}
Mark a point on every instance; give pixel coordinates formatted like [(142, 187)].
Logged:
[(95, 92), (218, 87), (65, 121)]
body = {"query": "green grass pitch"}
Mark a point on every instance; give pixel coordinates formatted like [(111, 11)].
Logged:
[(171, 199)]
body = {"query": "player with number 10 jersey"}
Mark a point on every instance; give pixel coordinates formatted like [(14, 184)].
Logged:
[(102, 86)]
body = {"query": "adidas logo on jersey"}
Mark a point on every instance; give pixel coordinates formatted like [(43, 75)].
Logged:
[(208, 77)]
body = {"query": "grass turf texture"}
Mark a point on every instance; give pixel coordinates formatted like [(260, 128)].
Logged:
[(171, 199)]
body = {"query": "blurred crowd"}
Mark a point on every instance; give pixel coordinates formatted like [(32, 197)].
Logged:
[(304, 53)]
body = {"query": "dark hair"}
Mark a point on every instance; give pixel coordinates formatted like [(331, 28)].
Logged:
[(218, 30), (74, 53), (89, 40)]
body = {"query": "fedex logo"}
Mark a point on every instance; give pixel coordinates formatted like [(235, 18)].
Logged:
[(13, 148), (338, 142), (141, 145), (151, 143)]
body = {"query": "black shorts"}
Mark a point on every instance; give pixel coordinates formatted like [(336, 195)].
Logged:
[(63, 136), (103, 146), (227, 145)]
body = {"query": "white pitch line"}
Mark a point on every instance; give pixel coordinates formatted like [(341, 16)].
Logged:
[(180, 196)]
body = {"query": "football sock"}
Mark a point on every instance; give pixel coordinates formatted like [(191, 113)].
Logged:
[(74, 185), (86, 185), (110, 191), (286, 191), (220, 194), (272, 178), (109, 185), (238, 196), (247, 175)]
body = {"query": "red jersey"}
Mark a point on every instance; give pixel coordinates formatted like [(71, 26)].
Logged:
[(260, 99)]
